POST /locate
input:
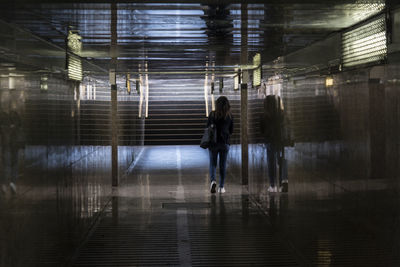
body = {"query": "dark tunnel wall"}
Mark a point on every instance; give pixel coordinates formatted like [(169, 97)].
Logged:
[(346, 132), (345, 135), (63, 178)]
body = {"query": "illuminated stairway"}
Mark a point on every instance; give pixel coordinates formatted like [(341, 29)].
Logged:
[(176, 112)]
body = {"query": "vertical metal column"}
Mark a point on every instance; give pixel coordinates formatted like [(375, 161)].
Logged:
[(243, 97), (77, 113), (377, 138), (114, 100)]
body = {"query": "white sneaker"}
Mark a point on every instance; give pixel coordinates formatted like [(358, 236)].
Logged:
[(13, 188), (213, 186), (221, 190), (272, 189)]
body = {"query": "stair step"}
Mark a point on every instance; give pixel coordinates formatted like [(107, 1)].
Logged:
[(161, 126), (178, 132), (173, 120)]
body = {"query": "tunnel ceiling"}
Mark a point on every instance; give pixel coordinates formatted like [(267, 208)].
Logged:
[(181, 37)]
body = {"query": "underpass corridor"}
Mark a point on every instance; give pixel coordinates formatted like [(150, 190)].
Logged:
[(165, 215), (103, 105)]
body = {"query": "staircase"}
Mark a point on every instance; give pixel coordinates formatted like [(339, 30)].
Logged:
[(177, 112)]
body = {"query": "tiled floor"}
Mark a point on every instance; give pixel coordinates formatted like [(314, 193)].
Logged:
[(165, 215)]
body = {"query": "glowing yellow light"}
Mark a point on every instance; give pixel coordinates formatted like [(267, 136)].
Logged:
[(74, 68), (328, 81), (128, 83), (236, 80), (74, 42), (11, 82), (43, 83), (257, 70), (74, 62)]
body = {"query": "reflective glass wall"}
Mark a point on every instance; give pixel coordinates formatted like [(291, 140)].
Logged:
[(55, 160), (343, 120)]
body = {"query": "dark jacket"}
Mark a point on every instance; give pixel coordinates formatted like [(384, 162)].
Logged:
[(271, 121), (224, 127)]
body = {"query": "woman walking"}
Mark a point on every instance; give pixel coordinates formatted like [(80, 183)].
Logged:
[(272, 128), (223, 120)]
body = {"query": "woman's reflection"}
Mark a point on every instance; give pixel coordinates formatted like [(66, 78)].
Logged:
[(12, 144)]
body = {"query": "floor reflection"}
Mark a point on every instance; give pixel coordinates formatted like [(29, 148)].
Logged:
[(167, 215), (115, 206), (323, 228), (173, 205)]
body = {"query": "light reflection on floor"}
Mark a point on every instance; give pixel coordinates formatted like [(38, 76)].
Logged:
[(163, 212), (232, 229)]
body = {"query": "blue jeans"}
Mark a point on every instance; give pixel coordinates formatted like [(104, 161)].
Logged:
[(275, 156), (221, 150)]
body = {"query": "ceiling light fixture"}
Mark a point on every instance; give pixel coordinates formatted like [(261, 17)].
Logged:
[(74, 63), (257, 70), (43, 82), (128, 83), (328, 81), (365, 43)]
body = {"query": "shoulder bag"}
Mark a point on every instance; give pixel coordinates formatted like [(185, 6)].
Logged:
[(210, 136)]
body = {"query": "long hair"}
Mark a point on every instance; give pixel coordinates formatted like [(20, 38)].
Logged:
[(223, 108)]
